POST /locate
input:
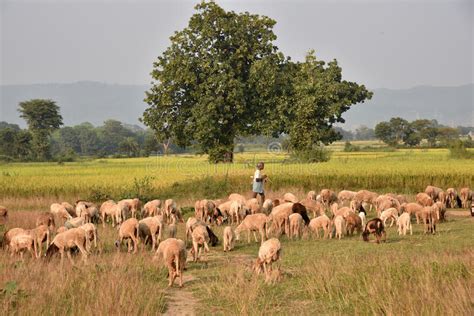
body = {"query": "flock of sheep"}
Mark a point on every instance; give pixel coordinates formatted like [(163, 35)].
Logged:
[(334, 214)]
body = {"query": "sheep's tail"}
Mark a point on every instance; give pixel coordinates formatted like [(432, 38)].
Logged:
[(176, 256), (52, 249)]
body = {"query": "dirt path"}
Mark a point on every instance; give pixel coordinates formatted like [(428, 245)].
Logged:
[(181, 300)]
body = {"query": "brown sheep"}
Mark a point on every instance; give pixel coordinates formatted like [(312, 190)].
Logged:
[(22, 242), (69, 208), (91, 232), (269, 252), (254, 222), (134, 205), (435, 193), (151, 228), (424, 199), (152, 208), (353, 222), (3, 215), (229, 238), (466, 197), (452, 198), (170, 206), (253, 205), (412, 209), (321, 222), (40, 234), (290, 197), (442, 210), (129, 230), (374, 226), (45, 218), (311, 195), (9, 234), (313, 206), (237, 197), (201, 240), (384, 202), (279, 217), (429, 216), (109, 209), (59, 212), (367, 197), (328, 197), (64, 242), (173, 253)]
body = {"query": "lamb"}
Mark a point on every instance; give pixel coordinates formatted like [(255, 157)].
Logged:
[(389, 213), (201, 240), (424, 199), (254, 222), (129, 230), (339, 224), (22, 242), (404, 223), (269, 252), (374, 226), (321, 222), (353, 222), (229, 238), (64, 242), (173, 253), (151, 228), (296, 225), (152, 208), (412, 209), (290, 197), (466, 197)]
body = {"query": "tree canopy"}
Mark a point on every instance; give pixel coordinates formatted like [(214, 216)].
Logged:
[(222, 77)]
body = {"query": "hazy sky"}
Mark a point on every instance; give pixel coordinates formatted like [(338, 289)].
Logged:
[(392, 44)]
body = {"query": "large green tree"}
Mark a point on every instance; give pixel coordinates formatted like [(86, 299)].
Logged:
[(205, 87), (42, 117)]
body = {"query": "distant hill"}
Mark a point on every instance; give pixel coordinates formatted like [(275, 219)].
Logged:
[(95, 102)]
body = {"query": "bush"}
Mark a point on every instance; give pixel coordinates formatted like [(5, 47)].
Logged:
[(348, 147), (457, 150), (314, 155)]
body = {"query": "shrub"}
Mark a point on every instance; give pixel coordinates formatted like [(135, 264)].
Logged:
[(348, 147), (457, 150), (316, 154)]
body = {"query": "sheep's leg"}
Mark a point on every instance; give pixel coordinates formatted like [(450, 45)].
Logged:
[(153, 242), (135, 243), (255, 236), (70, 257), (129, 245), (248, 236), (409, 226)]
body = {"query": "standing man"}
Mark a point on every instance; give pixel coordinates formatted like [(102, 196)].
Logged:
[(258, 180)]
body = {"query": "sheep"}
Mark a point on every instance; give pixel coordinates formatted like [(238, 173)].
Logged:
[(389, 213), (280, 214), (428, 216), (301, 209), (9, 234), (313, 206), (290, 197), (59, 212), (170, 206), (129, 230), (87, 210), (328, 197), (362, 218), (353, 222), (200, 238), (435, 193), (404, 223), (367, 197), (346, 196), (269, 252), (254, 222), (69, 208), (224, 208), (296, 225), (384, 202), (110, 209), (442, 210), (402, 199), (152, 208), (134, 205), (412, 209), (374, 226), (339, 224), (321, 222), (45, 218), (237, 211), (311, 195), (199, 209), (424, 199), (3, 215), (151, 228), (267, 206), (172, 252), (253, 205), (21, 242), (465, 195), (192, 223), (172, 229), (91, 232), (61, 230), (40, 234), (229, 238), (74, 222), (65, 241), (237, 197)]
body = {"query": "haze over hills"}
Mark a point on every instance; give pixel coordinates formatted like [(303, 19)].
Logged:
[(95, 102)]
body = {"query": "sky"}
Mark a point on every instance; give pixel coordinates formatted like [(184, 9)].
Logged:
[(390, 44)]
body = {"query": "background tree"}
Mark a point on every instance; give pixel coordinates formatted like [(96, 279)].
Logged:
[(364, 133), (42, 117)]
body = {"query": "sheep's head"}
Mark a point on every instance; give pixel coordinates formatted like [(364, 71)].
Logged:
[(258, 266)]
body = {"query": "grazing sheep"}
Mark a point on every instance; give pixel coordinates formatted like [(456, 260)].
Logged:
[(441, 209), (40, 235), (321, 222), (129, 230), (465, 195), (412, 209), (374, 226), (69, 208), (367, 197), (343, 211), (389, 213), (3, 215), (22, 242), (151, 228), (110, 209), (279, 217), (328, 197), (237, 197), (134, 206), (91, 232), (301, 209), (152, 208), (224, 208), (296, 225), (353, 222), (74, 222), (172, 252), (267, 206), (346, 196), (88, 211), (384, 202), (229, 238), (362, 218), (404, 223), (9, 234), (170, 206), (269, 252), (428, 216), (45, 218), (435, 193), (424, 199), (452, 198), (80, 208), (237, 211), (253, 206), (339, 224), (59, 212), (201, 240), (172, 229), (190, 224), (311, 195), (290, 197), (254, 222), (199, 206), (65, 241), (313, 206)]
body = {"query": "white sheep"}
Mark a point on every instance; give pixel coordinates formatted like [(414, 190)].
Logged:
[(404, 223), (269, 252), (339, 224), (389, 213), (323, 222), (254, 222), (296, 225), (362, 218)]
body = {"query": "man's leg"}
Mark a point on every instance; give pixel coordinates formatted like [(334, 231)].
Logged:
[(254, 195), (262, 195)]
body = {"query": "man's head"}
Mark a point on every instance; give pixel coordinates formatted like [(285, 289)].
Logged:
[(260, 165)]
